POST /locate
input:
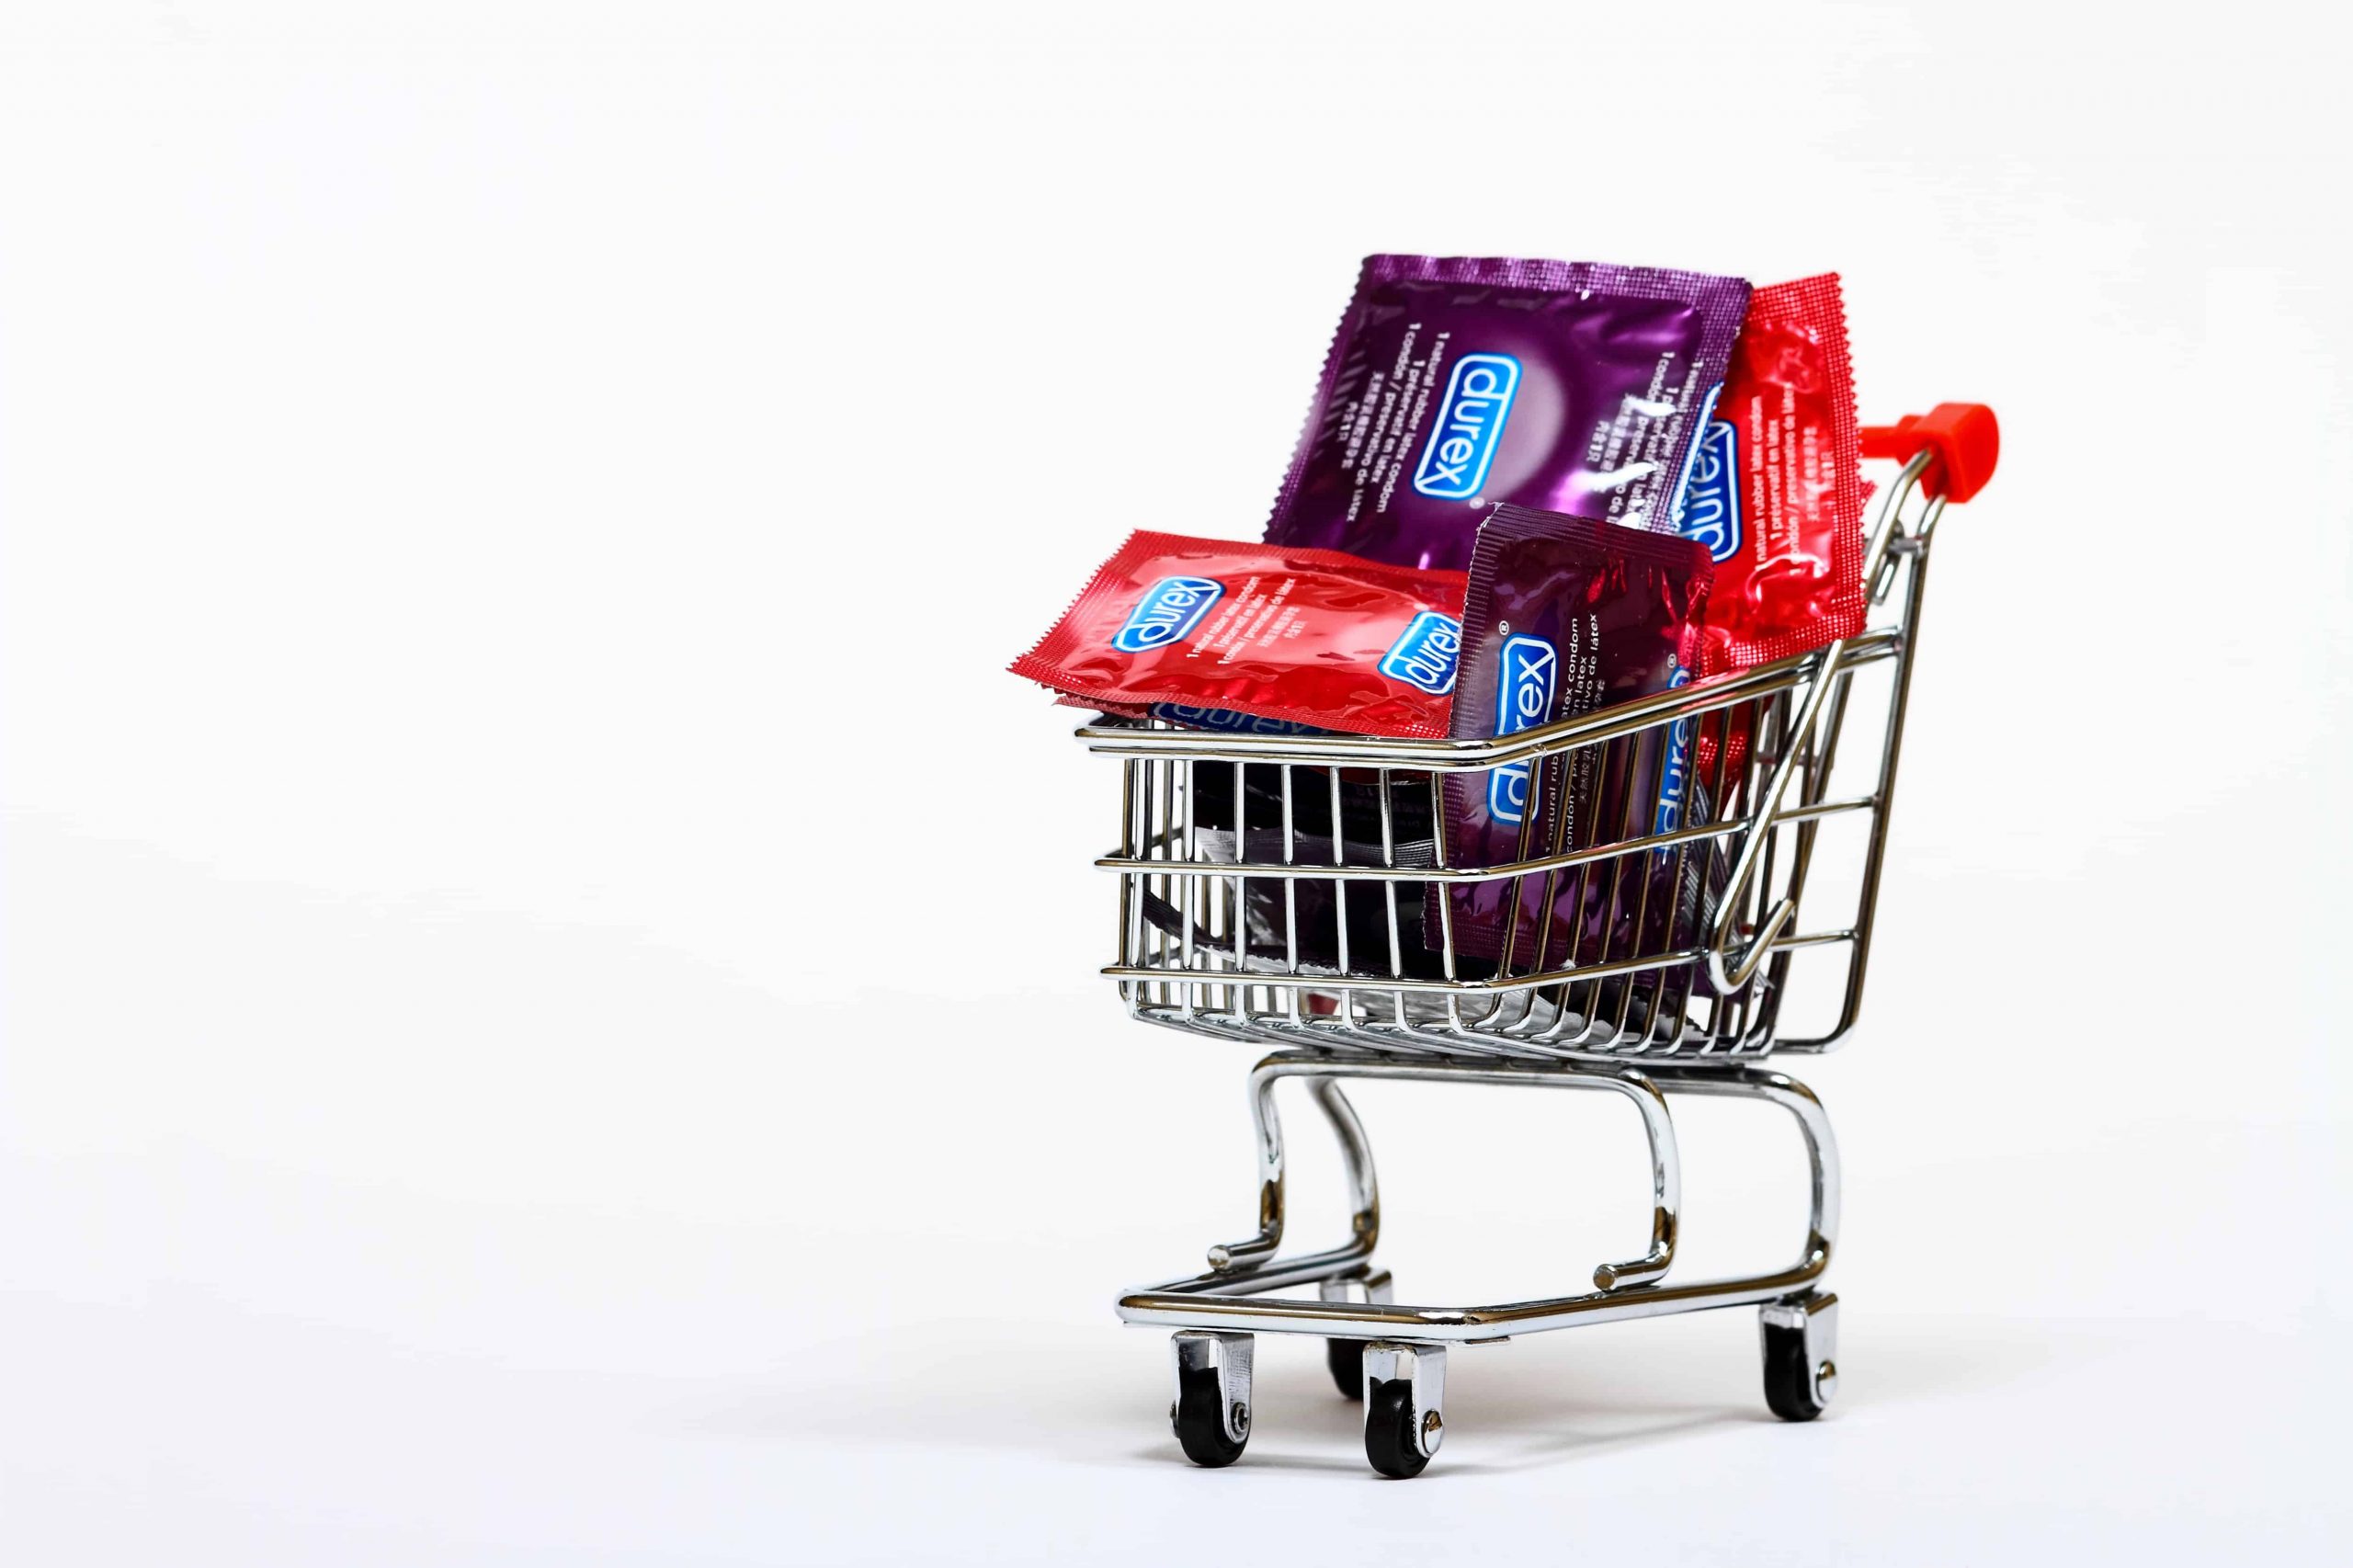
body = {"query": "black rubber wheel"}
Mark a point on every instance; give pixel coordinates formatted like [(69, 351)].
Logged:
[(1789, 1375), (1389, 1430), (1200, 1421), (1345, 1357)]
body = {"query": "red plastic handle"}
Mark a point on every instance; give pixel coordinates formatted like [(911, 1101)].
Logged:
[(1965, 438)]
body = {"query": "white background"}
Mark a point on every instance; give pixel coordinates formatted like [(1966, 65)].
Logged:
[(515, 515)]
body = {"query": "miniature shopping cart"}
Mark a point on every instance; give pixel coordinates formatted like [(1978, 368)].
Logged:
[(1278, 888)]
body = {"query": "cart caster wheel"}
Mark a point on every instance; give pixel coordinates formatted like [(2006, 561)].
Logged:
[(1404, 1387), (1345, 1357), (1800, 1339), (1211, 1410), (1391, 1430)]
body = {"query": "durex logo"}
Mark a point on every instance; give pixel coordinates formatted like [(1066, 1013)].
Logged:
[(1226, 722), (1711, 497), (1424, 656), (1524, 689), (1675, 769), (1169, 609), (1469, 427)]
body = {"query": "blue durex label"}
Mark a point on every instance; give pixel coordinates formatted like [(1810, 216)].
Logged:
[(1424, 656), (1524, 690), (1711, 510), (1169, 609), (1469, 427), (1674, 768), (1224, 720)]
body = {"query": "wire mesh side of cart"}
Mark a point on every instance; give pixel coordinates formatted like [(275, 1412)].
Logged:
[(1278, 888)]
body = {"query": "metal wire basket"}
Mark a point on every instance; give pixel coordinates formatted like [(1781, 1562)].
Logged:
[(1278, 887)]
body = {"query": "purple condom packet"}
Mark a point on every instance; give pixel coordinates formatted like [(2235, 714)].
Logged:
[(1566, 616), (1457, 383)]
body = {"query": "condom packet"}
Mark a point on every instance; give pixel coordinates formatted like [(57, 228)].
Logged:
[(1566, 616), (1456, 384), (1777, 489), (1303, 636)]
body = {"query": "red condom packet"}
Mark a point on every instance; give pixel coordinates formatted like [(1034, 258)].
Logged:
[(1776, 491), (1307, 636)]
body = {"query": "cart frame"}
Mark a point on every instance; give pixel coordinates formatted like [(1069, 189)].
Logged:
[(1691, 1006)]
